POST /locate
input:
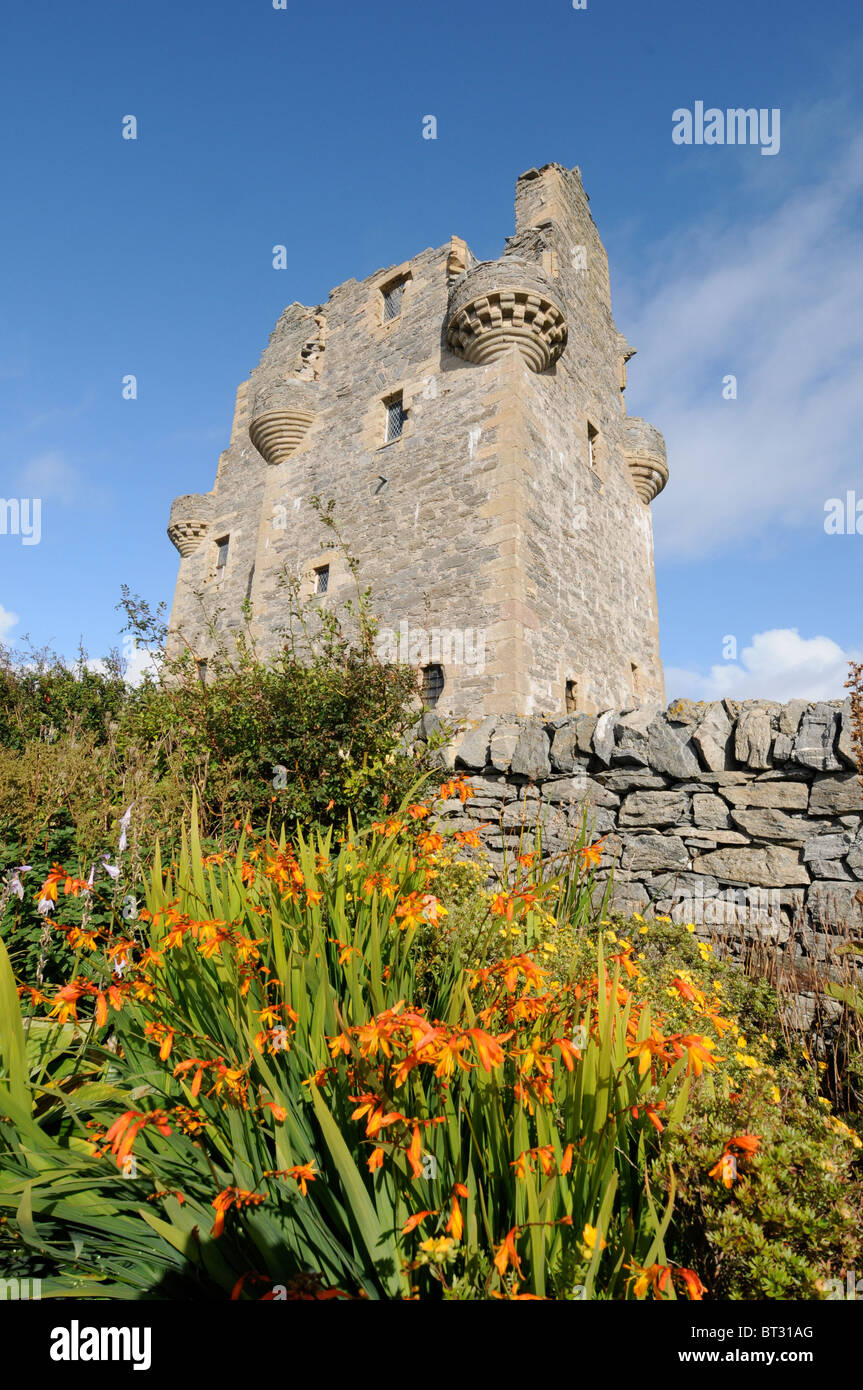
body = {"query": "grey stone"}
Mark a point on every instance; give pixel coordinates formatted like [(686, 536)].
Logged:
[(625, 779), (813, 746), (653, 809), (705, 838), (668, 753), (603, 737), (586, 728), (836, 796), (783, 747), (787, 796), (753, 737), (564, 747), (531, 755), (845, 745), (502, 746), (826, 847), (768, 866), (708, 810), (654, 852), (835, 904), (474, 748), (790, 716), (630, 736), (712, 737), (578, 789), (763, 823), (854, 859)]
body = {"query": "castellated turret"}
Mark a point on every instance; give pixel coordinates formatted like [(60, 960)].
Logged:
[(467, 421)]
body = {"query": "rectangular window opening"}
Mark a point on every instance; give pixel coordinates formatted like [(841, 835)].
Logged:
[(322, 579), (432, 685), (395, 418), (572, 697), (393, 295), (222, 552)]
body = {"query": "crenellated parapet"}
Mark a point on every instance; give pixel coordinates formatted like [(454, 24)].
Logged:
[(503, 304), (189, 521), (282, 415), (645, 454)]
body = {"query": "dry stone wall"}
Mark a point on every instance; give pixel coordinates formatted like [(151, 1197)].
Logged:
[(744, 818)]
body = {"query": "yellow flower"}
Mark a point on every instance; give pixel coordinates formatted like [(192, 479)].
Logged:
[(638, 917), (690, 926), (642, 931), (589, 1237), (775, 1094)]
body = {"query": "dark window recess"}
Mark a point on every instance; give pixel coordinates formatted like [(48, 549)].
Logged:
[(393, 295), (202, 671), (322, 579), (432, 684), (249, 585), (592, 445), (395, 418), (222, 552), (572, 697)]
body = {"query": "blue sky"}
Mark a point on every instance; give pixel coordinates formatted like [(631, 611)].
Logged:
[(303, 127)]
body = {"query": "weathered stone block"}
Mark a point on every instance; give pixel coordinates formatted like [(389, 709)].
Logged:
[(653, 809), (819, 730), (652, 852), (836, 796), (531, 754), (770, 866), (753, 737), (473, 750), (708, 810), (763, 823)]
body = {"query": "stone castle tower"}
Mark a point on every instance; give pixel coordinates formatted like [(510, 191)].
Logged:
[(467, 420)]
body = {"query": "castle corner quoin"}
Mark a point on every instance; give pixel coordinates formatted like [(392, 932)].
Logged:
[(467, 419)]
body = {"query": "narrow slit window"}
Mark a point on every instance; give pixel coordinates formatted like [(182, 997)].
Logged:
[(432, 684), (393, 295), (222, 552), (592, 445), (322, 579), (572, 697), (395, 418)]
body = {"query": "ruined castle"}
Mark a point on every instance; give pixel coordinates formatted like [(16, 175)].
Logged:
[(467, 420)]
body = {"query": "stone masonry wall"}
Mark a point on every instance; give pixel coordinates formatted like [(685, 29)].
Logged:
[(744, 818)]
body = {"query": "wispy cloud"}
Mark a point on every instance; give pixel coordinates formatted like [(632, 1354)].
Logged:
[(51, 477), (777, 665), (779, 305), (8, 620)]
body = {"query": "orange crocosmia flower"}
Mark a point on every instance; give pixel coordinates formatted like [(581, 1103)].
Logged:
[(685, 990), (566, 1160), (303, 1174), (488, 1049), (280, 1114), (414, 1153), (376, 1160), (592, 854), (694, 1287), (455, 1225), (747, 1143), (520, 1164), (232, 1197), (313, 897), (655, 1277), (468, 837), (101, 1010), (698, 1050), (415, 1220), (419, 811), (725, 1171), (502, 906), (65, 1002), (507, 1254)]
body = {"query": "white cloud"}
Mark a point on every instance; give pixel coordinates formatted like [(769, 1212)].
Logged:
[(49, 476), (7, 622), (137, 663), (778, 665), (778, 303)]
